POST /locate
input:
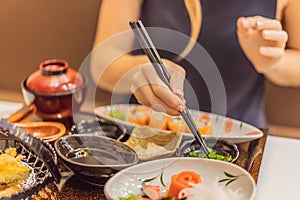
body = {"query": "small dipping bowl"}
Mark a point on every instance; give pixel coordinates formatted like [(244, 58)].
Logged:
[(221, 147), (94, 159), (49, 131)]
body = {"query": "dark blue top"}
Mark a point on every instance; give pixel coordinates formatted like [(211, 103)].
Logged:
[(243, 85)]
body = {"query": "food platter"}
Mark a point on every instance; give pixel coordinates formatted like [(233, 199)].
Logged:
[(159, 172), (222, 127), (38, 155)]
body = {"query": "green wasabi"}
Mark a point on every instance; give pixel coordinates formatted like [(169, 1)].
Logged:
[(117, 114), (211, 155)]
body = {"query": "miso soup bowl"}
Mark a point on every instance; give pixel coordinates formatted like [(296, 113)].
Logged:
[(54, 106), (55, 91)]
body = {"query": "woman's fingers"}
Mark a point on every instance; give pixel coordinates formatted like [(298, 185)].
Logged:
[(163, 91), (151, 91), (176, 82), (262, 40), (274, 52), (145, 96), (270, 24), (275, 35), (258, 22)]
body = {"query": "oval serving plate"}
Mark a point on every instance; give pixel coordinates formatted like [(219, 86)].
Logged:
[(159, 172), (224, 128)]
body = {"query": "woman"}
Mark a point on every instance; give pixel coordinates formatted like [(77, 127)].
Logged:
[(247, 40)]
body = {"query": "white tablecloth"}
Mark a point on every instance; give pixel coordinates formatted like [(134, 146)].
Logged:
[(279, 176)]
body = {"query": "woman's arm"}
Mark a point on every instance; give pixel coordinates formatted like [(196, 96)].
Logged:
[(114, 16), (131, 73), (273, 48), (287, 71)]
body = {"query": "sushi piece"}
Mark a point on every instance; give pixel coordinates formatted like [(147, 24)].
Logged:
[(158, 120), (204, 125), (139, 116), (181, 181), (177, 124), (152, 191), (228, 126)]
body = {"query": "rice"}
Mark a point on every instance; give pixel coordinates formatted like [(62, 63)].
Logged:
[(212, 191)]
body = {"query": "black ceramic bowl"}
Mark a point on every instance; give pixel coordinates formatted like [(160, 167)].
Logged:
[(221, 147), (100, 127), (94, 159)]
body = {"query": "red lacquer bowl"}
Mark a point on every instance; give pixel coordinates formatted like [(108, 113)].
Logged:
[(55, 91)]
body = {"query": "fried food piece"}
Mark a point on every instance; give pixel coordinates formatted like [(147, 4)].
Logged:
[(12, 172), (11, 168)]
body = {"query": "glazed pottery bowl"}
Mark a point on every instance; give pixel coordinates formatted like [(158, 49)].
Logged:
[(219, 180), (152, 144), (55, 91), (100, 127), (221, 147), (94, 159)]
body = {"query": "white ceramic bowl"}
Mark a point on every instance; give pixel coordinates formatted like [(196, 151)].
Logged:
[(130, 180), (150, 144)]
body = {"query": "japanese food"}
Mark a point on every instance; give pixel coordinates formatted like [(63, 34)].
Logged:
[(177, 123), (148, 143), (181, 181), (140, 116), (212, 155), (204, 127), (117, 114), (149, 151), (12, 172), (158, 120), (228, 125), (187, 185), (145, 116)]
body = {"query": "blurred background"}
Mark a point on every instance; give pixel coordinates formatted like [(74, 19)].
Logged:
[(33, 31)]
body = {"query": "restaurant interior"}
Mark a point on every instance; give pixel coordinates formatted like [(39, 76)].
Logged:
[(33, 31)]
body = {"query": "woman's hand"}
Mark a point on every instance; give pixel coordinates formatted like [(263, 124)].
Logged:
[(150, 90), (262, 40)]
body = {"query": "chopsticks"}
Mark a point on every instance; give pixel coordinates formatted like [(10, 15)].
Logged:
[(150, 50)]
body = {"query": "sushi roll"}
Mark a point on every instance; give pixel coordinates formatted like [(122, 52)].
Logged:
[(177, 124), (204, 125), (158, 120), (139, 116)]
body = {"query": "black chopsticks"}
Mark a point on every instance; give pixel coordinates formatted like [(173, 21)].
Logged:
[(150, 50)]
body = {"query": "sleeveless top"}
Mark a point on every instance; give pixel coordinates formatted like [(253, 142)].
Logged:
[(244, 87)]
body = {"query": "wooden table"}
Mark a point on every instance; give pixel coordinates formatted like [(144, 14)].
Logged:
[(72, 188)]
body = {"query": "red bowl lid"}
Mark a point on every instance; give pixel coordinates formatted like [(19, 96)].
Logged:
[(54, 76)]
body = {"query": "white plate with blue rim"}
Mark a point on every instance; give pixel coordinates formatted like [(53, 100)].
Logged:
[(221, 127)]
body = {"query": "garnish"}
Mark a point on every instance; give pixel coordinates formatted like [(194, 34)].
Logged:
[(131, 197), (155, 177), (117, 114), (212, 155), (230, 178)]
